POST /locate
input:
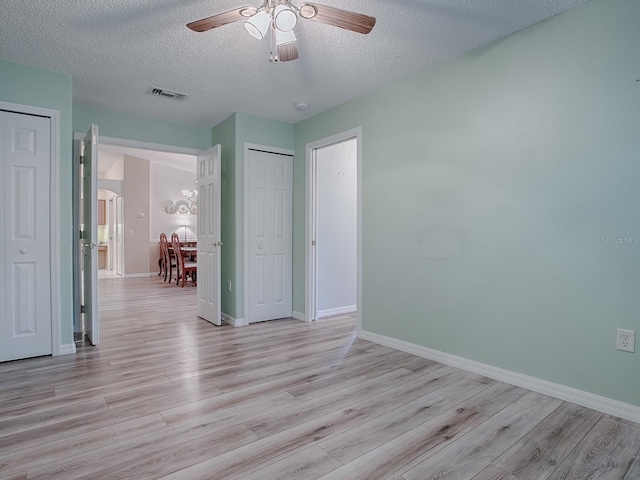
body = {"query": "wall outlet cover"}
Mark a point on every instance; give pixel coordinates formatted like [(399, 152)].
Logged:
[(626, 340)]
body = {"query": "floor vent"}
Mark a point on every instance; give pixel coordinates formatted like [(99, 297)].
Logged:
[(161, 92)]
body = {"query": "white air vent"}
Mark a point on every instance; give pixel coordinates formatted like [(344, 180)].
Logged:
[(161, 92)]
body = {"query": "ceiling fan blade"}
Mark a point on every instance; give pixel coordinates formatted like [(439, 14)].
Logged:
[(355, 22), (221, 19), (287, 52)]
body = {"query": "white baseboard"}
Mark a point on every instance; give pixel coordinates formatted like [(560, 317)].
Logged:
[(299, 316), (569, 394), (234, 322), (139, 275), (67, 349), (330, 312)]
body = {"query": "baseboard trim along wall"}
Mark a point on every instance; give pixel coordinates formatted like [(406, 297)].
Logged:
[(329, 312), (139, 275), (562, 392), (234, 322)]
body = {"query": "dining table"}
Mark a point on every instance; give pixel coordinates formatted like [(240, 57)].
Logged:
[(191, 252)]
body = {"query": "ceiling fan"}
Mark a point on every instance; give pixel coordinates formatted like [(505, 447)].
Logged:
[(277, 18)]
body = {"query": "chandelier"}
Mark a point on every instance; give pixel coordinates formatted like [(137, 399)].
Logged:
[(192, 195)]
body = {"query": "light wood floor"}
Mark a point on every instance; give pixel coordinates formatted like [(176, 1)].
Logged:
[(167, 395)]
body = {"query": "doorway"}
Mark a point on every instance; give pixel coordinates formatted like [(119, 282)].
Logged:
[(144, 219), (333, 226), (109, 234)]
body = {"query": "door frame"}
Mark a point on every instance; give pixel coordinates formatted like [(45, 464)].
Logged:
[(57, 348), (311, 211), (245, 222), (119, 142)]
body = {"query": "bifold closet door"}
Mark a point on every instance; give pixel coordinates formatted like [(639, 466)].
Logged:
[(25, 287)]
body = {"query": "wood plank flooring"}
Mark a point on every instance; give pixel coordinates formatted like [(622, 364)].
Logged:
[(167, 395)]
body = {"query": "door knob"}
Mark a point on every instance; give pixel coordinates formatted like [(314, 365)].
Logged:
[(23, 251)]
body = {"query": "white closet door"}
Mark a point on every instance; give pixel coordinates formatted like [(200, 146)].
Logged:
[(270, 211), (25, 289)]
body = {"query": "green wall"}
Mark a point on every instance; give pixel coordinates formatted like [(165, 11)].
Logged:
[(225, 134), (142, 129), (39, 88), (232, 134), (500, 198)]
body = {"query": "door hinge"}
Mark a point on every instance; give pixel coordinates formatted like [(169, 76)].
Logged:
[(81, 159), (82, 309)]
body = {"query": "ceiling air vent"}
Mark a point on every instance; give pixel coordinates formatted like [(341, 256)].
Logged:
[(161, 92)]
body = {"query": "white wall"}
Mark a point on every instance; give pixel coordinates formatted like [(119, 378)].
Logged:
[(136, 228), (167, 184), (116, 171), (337, 228)]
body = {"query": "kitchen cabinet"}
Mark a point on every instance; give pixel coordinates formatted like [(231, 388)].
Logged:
[(102, 256), (102, 212)]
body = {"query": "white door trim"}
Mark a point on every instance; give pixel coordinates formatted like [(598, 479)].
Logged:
[(310, 296), (245, 220), (57, 348), (158, 147)]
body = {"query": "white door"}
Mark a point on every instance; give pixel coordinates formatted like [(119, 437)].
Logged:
[(209, 243), (111, 244), (89, 237), (269, 235), (25, 288), (119, 237)]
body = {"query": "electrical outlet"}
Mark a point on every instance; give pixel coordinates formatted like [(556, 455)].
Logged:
[(229, 285), (626, 340)]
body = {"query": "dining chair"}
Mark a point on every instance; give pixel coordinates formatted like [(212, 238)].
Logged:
[(185, 267), (168, 258)]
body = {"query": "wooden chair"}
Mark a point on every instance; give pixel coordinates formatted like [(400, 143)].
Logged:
[(185, 267), (168, 259)]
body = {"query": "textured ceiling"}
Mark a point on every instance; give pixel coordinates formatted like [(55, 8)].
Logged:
[(116, 49)]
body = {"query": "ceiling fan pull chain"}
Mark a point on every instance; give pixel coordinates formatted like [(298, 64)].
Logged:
[(273, 57)]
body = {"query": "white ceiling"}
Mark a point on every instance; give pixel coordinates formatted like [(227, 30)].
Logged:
[(115, 50)]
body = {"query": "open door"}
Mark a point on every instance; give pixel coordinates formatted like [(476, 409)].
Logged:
[(89, 234), (119, 237), (209, 243)]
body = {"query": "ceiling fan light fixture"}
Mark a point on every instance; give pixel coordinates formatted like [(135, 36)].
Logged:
[(284, 18), (307, 11), (282, 38), (258, 24)]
